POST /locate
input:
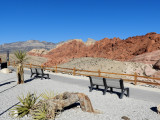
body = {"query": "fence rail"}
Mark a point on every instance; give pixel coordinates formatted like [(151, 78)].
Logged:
[(75, 71)]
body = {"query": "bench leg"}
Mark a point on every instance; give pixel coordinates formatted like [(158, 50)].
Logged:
[(31, 75), (42, 77), (91, 88), (48, 76), (111, 90), (127, 92), (105, 89), (121, 95), (96, 86)]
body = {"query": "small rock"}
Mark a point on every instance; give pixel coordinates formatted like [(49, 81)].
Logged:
[(125, 118), (6, 70)]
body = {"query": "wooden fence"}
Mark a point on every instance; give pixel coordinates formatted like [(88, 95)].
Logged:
[(74, 71)]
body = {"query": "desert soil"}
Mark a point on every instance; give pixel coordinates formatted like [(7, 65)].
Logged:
[(30, 59), (105, 65)]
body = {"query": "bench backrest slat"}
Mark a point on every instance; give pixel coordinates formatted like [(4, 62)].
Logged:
[(97, 80), (33, 70), (115, 83), (39, 71)]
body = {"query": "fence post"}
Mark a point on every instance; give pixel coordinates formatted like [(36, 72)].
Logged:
[(56, 69), (41, 66), (135, 78), (99, 73), (30, 65), (8, 63), (74, 71)]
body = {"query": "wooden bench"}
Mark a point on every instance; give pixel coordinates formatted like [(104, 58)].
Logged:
[(39, 73), (97, 81), (33, 71), (108, 83), (118, 84)]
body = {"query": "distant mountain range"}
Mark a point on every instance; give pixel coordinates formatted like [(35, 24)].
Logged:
[(27, 45), (35, 44)]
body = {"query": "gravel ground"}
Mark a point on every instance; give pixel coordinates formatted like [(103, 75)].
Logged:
[(110, 105)]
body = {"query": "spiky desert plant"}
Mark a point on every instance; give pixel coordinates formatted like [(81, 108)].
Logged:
[(21, 57), (26, 104), (48, 95), (40, 114)]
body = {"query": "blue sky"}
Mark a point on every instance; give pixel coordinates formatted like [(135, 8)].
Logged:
[(60, 20)]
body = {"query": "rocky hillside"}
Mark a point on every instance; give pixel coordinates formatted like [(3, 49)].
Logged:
[(148, 58), (38, 52), (116, 49), (27, 45), (36, 60), (108, 65)]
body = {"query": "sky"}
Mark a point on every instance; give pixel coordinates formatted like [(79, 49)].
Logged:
[(60, 20)]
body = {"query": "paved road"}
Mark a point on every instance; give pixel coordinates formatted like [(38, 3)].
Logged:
[(134, 92)]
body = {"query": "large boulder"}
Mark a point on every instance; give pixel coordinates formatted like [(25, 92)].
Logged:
[(148, 71)]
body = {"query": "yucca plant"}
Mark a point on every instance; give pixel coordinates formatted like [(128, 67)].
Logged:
[(27, 103), (21, 57), (48, 95), (40, 114)]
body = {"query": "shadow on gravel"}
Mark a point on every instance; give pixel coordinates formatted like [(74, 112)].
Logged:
[(108, 91), (7, 79), (9, 108), (8, 88), (29, 80), (72, 106), (154, 109), (6, 83)]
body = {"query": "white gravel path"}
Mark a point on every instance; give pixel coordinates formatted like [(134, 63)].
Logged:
[(112, 107)]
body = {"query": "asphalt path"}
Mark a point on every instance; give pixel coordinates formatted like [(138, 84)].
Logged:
[(136, 93)]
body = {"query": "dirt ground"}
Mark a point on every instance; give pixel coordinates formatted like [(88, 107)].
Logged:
[(30, 59)]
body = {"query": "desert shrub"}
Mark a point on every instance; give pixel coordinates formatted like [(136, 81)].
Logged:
[(26, 105), (48, 95), (40, 114)]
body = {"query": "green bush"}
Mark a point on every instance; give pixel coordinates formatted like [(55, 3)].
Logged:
[(48, 95), (27, 103), (40, 114)]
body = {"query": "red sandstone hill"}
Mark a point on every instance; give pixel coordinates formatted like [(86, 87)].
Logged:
[(115, 48)]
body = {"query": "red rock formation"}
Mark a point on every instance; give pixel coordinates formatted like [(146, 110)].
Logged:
[(65, 52), (115, 48), (147, 58), (38, 52)]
